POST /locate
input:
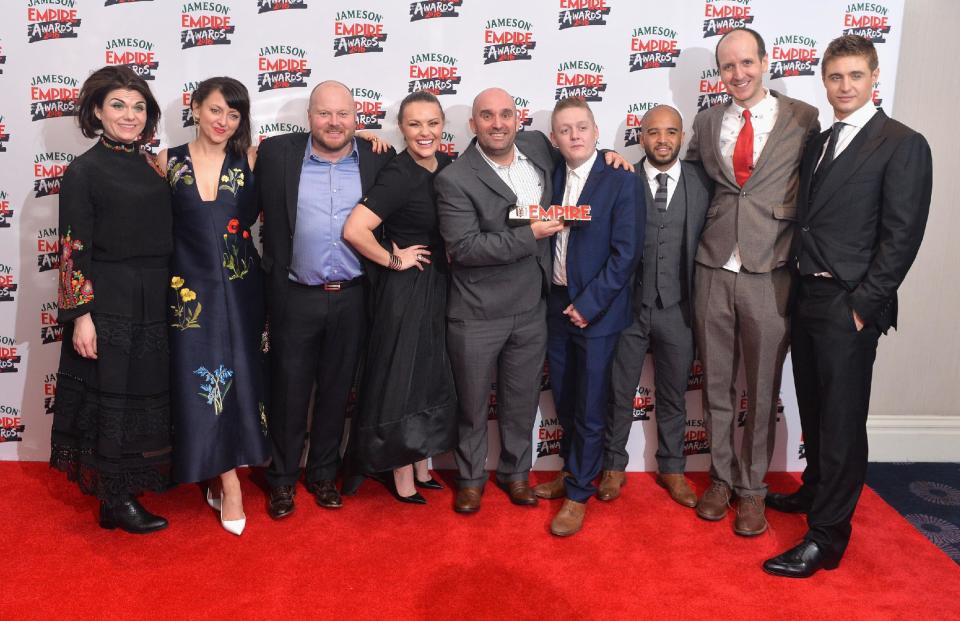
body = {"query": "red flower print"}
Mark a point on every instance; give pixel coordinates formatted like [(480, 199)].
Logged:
[(246, 234), (233, 226)]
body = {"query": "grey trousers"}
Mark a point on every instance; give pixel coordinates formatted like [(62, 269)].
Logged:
[(517, 345), (671, 338), (741, 315)]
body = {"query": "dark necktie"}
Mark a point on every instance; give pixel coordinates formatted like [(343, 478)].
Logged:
[(660, 198), (830, 153), (743, 151)]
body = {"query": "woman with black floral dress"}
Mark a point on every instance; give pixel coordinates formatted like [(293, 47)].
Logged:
[(111, 424)]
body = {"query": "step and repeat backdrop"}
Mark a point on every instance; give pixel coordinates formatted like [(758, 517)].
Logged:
[(623, 56)]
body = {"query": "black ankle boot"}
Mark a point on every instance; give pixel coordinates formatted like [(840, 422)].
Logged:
[(130, 516)]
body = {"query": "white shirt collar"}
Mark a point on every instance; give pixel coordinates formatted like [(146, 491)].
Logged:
[(859, 117), (517, 155), (651, 171), (583, 170), (759, 110)]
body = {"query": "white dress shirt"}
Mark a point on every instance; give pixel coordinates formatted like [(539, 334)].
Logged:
[(520, 175), (673, 177), (850, 128), (763, 116), (576, 178)]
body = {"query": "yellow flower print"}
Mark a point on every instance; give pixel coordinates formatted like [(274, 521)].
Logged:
[(176, 282), (225, 179), (188, 295)]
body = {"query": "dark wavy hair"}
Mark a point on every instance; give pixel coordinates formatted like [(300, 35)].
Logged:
[(101, 83), (423, 97), (237, 97)]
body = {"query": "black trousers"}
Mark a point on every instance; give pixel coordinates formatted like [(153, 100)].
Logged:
[(832, 370), (317, 341)]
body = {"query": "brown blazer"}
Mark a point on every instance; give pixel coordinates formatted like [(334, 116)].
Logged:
[(759, 215)]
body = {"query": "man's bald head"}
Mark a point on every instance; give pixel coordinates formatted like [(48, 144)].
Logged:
[(333, 119), (661, 134), (655, 114), (495, 123)]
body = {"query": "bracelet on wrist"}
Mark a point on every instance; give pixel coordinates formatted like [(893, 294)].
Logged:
[(395, 263)]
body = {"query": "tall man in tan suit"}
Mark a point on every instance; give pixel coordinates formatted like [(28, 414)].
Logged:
[(751, 148)]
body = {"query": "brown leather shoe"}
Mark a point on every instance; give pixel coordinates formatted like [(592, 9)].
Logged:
[(750, 520), (520, 492), (610, 483), (468, 500), (554, 489), (676, 484), (281, 501), (715, 501), (326, 494), (569, 519)]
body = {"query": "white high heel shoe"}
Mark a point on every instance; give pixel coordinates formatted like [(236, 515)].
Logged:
[(231, 526), (213, 502)]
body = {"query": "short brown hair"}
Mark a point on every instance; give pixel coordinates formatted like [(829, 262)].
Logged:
[(761, 46), (851, 45), (94, 92), (572, 102)]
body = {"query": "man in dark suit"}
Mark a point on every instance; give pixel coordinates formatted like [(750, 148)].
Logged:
[(589, 301), (751, 148), (864, 198), (679, 194), (307, 185)]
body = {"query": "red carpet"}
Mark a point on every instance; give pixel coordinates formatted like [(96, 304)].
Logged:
[(640, 557)]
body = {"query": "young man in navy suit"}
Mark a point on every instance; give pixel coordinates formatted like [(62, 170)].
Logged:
[(589, 301)]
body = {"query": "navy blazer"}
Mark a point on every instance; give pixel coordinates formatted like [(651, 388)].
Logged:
[(602, 254)]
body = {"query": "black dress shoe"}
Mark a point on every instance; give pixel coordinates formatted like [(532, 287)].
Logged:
[(415, 499), (801, 561), (281, 501), (789, 503), (430, 483), (131, 517), (326, 494)]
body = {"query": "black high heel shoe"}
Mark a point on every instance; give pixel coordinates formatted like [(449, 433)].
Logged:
[(430, 483), (131, 517), (391, 485)]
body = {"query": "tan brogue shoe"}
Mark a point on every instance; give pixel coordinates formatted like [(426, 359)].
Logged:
[(552, 489), (751, 519), (678, 488), (610, 483), (715, 501), (468, 500), (569, 519)]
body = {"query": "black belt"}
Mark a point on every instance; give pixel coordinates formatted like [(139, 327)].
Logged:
[(334, 285)]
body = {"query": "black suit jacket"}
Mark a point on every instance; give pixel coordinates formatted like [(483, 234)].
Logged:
[(865, 220), (279, 162)]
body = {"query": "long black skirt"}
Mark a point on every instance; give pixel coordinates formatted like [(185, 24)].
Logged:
[(408, 406)]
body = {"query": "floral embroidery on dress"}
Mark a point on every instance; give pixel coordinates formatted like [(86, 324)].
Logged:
[(217, 386), (186, 317), (235, 262), (263, 417), (178, 171), (232, 181), (75, 289)]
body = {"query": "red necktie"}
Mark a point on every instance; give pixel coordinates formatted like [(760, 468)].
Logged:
[(743, 152)]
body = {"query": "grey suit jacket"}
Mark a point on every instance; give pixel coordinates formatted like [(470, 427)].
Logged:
[(760, 215), (697, 187), (498, 270)]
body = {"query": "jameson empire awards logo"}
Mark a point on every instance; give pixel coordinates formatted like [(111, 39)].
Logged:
[(4, 135), (370, 110), (11, 425), (549, 435), (282, 66), (52, 19), (205, 23), (524, 116), (448, 144), (695, 377), (48, 169), (53, 96), (722, 16), (275, 129), (433, 72), (49, 392), (577, 13), (653, 47), (48, 251), (357, 31), (434, 9), (876, 97), (506, 39), (643, 404), (793, 55), (580, 78), (136, 54), (635, 112), (867, 19), (745, 406), (50, 330), (186, 94), (711, 89), (270, 6), (8, 290), (6, 211), (695, 440)]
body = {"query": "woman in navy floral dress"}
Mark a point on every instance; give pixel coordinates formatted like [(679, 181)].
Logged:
[(217, 316)]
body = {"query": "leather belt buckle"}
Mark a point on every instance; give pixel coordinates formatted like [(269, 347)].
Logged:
[(332, 286)]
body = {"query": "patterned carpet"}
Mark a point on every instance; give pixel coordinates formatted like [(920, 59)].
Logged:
[(927, 494)]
